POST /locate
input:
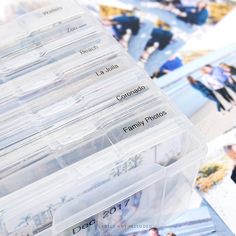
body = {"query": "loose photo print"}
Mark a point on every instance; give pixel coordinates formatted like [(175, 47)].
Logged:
[(216, 180), (193, 222), (154, 31), (205, 90), (146, 37)]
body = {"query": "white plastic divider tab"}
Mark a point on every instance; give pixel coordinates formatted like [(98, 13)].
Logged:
[(84, 44), (49, 15), (57, 34), (55, 116), (140, 123), (11, 32)]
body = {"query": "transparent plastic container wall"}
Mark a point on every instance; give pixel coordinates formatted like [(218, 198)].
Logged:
[(88, 144)]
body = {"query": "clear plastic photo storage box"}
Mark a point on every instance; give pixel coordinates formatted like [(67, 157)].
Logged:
[(88, 144)]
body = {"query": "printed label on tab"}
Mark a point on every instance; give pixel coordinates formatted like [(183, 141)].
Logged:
[(140, 124), (131, 92), (75, 26), (92, 48), (51, 10), (50, 15), (108, 69)]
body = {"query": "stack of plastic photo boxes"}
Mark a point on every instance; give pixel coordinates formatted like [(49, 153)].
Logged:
[(88, 144)]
